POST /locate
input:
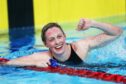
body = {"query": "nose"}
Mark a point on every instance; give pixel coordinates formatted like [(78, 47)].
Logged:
[(57, 41)]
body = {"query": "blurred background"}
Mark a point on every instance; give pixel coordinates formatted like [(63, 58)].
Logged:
[(23, 18), (36, 13)]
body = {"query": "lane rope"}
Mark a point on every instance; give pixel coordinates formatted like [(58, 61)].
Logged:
[(55, 68)]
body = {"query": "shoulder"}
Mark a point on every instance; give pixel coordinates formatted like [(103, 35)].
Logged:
[(81, 48), (81, 43)]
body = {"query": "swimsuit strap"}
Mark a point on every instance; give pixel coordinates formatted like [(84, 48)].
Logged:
[(74, 58)]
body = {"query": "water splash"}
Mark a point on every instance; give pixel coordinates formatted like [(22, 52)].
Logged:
[(115, 52)]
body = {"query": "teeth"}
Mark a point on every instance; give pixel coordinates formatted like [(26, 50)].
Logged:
[(58, 46)]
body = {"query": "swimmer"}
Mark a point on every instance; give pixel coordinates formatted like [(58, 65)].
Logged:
[(54, 38)]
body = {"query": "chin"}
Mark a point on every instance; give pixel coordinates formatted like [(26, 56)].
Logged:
[(59, 51)]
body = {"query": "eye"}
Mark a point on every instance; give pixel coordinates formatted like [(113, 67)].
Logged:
[(51, 39), (59, 36)]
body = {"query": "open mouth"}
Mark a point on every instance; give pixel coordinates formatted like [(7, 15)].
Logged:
[(58, 47)]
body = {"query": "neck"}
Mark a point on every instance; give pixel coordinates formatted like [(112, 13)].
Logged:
[(64, 56)]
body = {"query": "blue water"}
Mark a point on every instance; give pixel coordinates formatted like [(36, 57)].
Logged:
[(111, 59)]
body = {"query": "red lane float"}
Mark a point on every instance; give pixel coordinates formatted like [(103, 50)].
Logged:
[(78, 72)]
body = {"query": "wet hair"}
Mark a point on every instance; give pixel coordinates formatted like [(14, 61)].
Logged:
[(49, 26)]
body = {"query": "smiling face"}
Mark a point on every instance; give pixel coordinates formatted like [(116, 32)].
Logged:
[(55, 40)]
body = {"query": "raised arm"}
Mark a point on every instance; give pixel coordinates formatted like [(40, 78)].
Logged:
[(110, 32)]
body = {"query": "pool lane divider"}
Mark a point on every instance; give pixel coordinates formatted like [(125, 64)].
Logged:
[(77, 72)]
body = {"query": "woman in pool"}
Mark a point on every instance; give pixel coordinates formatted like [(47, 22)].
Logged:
[(74, 53)]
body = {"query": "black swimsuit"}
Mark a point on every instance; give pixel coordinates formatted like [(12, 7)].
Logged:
[(74, 59)]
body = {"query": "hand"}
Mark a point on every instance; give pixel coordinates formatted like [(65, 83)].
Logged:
[(84, 24), (43, 63)]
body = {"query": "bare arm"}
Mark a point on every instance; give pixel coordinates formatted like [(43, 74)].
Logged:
[(37, 59), (110, 32)]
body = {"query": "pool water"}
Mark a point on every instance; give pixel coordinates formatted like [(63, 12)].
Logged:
[(110, 59)]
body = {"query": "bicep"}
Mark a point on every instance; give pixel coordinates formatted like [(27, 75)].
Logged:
[(100, 40)]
